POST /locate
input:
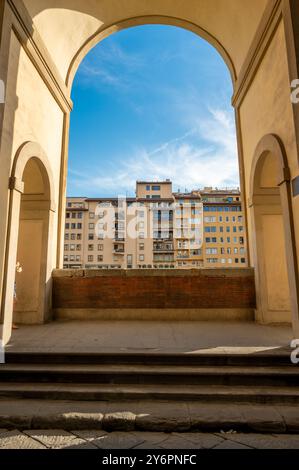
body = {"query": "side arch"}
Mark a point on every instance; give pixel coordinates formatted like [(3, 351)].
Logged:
[(271, 203), (30, 228), (26, 152)]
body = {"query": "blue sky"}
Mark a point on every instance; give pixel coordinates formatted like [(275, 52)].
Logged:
[(151, 102)]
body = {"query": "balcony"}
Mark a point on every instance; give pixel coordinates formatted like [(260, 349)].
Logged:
[(118, 248)]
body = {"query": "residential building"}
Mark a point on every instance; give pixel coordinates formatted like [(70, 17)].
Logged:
[(156, 229)]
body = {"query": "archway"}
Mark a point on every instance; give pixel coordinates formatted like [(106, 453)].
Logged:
[(273, 250), (30, 228)]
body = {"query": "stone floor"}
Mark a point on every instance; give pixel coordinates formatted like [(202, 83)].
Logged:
[(59, 439), (191, 337)]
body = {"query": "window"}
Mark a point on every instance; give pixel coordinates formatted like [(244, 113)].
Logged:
[(230, 261), (72, 247), (101, 247), (141, 235), (156, 188), (221, 229), (68, 215), (79, 226), (67, 226), (67, 236), (234, 229), (236, 251), (210, 219), (228, 239), (78, 258), (227, 229), (223, 251), (211, 251), (212, 260), (74, 215), (241, 240), (73, 236), (91, 226), (141, 257), (90, 247), (229, 250), (80, 215), (78, 247), (66, 248), (73, 226), (243, 260), (100, 258), (91, 215), (66, 258), (90, 236), (148, 188), (90, 258), (79, 236), (236, 260), (141, 246)]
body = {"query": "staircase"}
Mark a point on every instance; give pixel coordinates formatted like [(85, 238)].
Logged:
[(260, 378)]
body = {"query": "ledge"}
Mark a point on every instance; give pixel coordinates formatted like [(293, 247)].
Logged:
[(212, 272)]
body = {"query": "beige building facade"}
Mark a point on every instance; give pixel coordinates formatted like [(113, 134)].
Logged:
[(157, 229), (42, 43)]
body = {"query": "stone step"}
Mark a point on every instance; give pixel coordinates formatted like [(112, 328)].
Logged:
[(186, 393), (150, 374), (173, 416), (203, 358)]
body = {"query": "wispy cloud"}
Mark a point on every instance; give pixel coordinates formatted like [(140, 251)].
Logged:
[(111, 66), (206, 155)]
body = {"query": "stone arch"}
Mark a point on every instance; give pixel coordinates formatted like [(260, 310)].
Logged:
[(274, 256), (32, 206), (106, 31)]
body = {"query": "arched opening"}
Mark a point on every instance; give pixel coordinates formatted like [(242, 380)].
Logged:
[(27, 294), (32, 302), (274, 259), (200, 137)]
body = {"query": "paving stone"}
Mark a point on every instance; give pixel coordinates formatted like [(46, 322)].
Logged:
[(164, 419), (56, 438), (231, 445), (117, 440), (119, 421), (177, 442), (89, 435), (18, 440), (202, 440), (150, 438), (266, 441), (68, 421), (263, 419)]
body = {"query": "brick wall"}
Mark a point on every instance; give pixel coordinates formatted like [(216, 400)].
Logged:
[(154, 289)]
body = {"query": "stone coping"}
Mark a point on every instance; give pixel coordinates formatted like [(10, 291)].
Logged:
[(207, 272)]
